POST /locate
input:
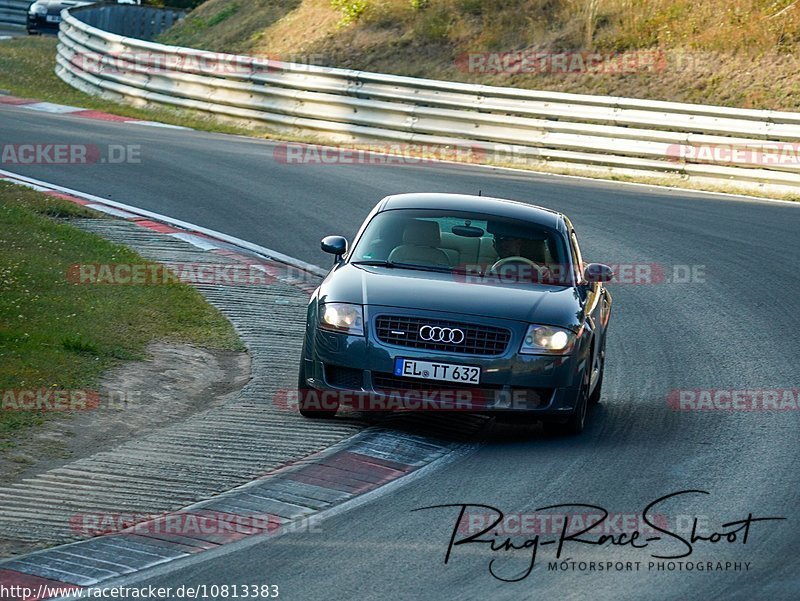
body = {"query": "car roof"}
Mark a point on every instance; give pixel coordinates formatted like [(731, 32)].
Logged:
[(499, 207)]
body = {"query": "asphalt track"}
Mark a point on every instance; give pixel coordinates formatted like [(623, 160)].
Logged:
[(735, 329)]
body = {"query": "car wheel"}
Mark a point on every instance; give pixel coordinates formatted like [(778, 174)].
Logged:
[(600, 365), (307, 406), (577, 420)]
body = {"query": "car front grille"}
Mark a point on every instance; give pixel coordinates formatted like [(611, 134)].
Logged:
[(477, 339)]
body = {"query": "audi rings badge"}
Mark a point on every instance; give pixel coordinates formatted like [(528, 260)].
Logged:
[(445, 335)]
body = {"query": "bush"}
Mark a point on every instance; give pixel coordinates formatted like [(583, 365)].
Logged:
[(351, 9)]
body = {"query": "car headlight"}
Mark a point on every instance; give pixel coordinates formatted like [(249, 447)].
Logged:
[(342, 317), (38, 9), (548, 340)]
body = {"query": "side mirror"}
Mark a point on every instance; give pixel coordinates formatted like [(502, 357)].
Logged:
[(597, 272), (335, 245)]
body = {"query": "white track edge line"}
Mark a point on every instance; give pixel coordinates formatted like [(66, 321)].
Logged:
[(272, 254)]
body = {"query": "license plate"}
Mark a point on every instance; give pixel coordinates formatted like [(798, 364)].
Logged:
[(53, 19), (433, 370)]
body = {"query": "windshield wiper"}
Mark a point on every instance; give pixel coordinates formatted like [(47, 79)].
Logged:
[(375, 263), (395, 265)]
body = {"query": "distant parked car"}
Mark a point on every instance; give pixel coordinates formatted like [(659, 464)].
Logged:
[(44, 16)]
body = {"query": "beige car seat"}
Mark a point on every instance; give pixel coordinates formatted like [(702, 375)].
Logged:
[(421, 245)]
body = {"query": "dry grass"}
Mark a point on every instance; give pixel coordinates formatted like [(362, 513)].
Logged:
[(728, 52), (233, 26)]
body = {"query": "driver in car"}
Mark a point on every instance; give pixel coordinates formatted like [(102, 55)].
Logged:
[(507, 246), (519, 259)]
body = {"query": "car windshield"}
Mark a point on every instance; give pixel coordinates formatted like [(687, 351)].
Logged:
[(485, 248)]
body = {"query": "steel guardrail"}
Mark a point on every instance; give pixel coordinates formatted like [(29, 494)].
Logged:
[(611, 134), (13, 13)]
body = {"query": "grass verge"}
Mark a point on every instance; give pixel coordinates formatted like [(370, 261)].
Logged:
[(61, 335), (27, 69)]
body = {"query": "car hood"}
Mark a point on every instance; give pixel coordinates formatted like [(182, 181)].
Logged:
[(450, 293)]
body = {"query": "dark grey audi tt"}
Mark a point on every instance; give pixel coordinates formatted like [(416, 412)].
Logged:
[(455, 302)]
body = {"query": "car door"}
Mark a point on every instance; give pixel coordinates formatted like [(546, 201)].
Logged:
[(595, 297)]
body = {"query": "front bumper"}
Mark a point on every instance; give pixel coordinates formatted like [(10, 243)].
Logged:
[(547, 385)]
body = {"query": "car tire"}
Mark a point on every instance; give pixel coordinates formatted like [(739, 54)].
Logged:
[(594, 399), (302, 399), (576, 422)]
